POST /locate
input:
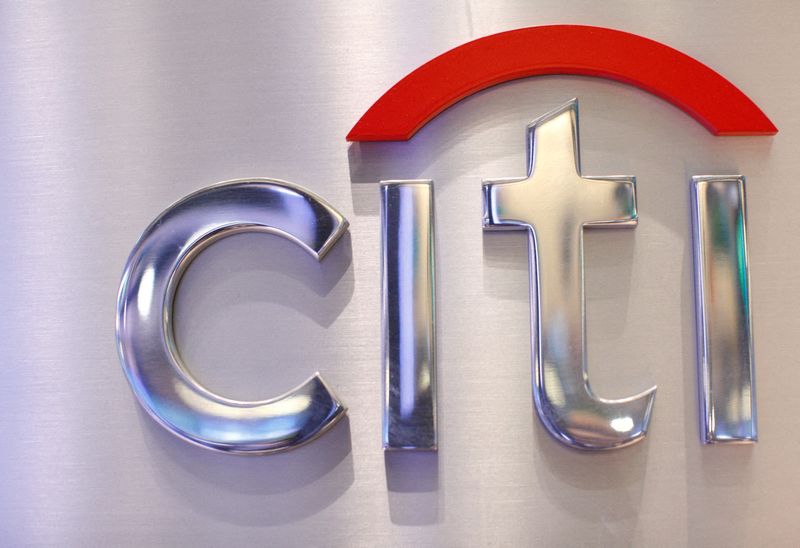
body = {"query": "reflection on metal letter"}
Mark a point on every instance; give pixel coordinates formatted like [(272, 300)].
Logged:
[(409, 365), (145, 337), (554, 203), (722, 297)]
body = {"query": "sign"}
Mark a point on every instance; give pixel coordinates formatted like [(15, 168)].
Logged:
[(553, 203)]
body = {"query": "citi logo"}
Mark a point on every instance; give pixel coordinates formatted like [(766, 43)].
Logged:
[(552, 200)]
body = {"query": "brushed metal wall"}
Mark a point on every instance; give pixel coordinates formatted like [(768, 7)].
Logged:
[(110, 111)]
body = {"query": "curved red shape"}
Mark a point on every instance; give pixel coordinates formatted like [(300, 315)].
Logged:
[(561, 49)]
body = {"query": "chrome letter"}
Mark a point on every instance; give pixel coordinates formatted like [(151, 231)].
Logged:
[(409, 362), (722, 300), (554, 203), (145, 337)]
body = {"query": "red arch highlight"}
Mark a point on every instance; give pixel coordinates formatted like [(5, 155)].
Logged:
[(561, 49)]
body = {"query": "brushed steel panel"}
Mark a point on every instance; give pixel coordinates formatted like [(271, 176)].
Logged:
[(111, 111)]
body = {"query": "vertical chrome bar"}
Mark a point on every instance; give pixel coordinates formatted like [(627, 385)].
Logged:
[(722, 300), (409, 364)]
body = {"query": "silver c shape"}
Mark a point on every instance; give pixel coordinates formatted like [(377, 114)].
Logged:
[(145, 336), (554, 203)]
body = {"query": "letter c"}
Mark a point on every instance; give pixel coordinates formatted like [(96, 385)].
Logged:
[(145, 335)]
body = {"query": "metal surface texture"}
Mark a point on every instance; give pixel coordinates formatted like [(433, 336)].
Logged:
[(409, 343), (110, 111), (554, 204), (725, 366), (162, 382)]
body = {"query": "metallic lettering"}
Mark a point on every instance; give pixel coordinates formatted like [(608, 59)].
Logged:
[(409, 354), (554, 203), (722, 300), (145, 336)]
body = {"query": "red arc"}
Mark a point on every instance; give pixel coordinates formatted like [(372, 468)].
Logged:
[(561, 49)]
